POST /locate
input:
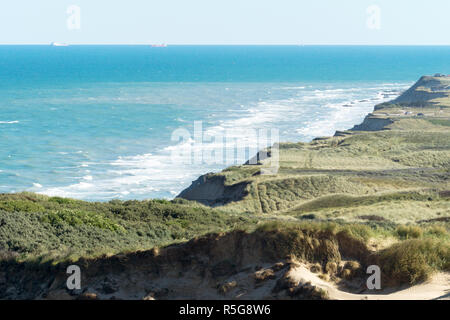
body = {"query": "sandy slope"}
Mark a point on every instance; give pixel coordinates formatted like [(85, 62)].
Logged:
[(437, 288)]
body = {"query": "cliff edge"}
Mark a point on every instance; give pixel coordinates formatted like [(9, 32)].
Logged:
[(406, 139)]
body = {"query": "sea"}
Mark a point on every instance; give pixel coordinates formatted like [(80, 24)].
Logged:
[(101, 122)]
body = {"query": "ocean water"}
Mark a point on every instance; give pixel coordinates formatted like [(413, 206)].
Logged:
[(96, 122)]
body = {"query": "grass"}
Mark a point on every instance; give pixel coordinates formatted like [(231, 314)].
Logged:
[(396, 208), (417, 254), (409, 232), (344, 200), (356, 165), (413, 261), (440, 122)]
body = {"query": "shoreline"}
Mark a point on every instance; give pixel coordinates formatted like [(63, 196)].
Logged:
[(328, 165), (217, 186), (71, 191)]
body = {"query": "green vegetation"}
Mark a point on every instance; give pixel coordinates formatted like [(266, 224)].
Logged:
[(409, 232), (379, 193), (39, 227), (440, 122), (369, 165)]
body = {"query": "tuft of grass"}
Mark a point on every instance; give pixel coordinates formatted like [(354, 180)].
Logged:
[(409, 232), (437, 231), (413, 261), (331, 267), (358, 231)]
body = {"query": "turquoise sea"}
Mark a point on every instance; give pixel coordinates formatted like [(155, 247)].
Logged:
[(95, 122)]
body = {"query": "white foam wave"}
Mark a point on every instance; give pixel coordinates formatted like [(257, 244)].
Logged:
[(304, 114), (345, 115), (9, 122)]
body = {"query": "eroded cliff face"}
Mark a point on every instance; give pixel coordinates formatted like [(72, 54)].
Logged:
[(373, 123), (236, 265), (211, 190), (426, 90), (268, 263)]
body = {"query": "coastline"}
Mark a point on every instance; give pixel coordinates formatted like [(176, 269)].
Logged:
[(337, 205), (143, 168), (311, 164), (209, 186)]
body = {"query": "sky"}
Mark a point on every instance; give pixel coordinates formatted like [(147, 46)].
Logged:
[(212, 22)]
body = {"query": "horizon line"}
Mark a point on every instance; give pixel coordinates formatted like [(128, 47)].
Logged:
[(229, 44)]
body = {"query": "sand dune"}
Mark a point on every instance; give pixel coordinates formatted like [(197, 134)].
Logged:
[(436, 288)]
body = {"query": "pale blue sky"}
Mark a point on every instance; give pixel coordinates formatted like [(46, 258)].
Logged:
[(402, 22)]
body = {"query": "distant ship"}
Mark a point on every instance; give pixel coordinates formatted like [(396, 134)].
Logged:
[(59, 44), (159, 45)]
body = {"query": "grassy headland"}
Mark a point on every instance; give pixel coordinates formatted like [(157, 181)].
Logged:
[(396, 165)]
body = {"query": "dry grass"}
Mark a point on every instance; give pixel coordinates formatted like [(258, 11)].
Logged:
[(413, 261)]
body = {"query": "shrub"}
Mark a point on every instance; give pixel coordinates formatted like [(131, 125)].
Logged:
[(409, 232), (346, 274), (331, 267), (413, 261), (352, 265), (20, 206), (60, 200), (76, 217), (34, 226)]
